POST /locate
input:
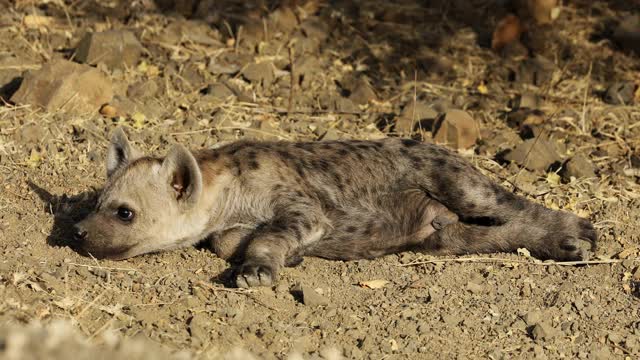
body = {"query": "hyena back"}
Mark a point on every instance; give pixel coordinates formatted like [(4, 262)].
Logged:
[(268, 204)]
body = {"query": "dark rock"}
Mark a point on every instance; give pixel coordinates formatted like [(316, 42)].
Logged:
[(116, 49), (416, 115), (219, 91), (62, 85), (578, 167), (532, 317), (199, 326), (304, 70), (627, 34), (534, 154), (227, 63), (620, 93), (143, 89), (309, 296), (260, 73), (537, 71), (456, 128), (526, 101), (363, 93), (543, 331)]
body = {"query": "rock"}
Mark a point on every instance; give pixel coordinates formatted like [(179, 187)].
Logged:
[(542, 10), (228, 63), (456, 128), (260, 73), (311, 298), (614, 338), (117, 49), (62, 85), (532, 317), (496, 354), (620, 93), (543, 331), (143, 90), (578, 167), (219, 91), (526, 180), (198, 329), (537, 71), (527, 121), (497, 141), (315, 28), (418, 115), (534, 154), (126, 107), (190, 31), (627, 34), (507, 31), (600, 353), (526, 101), (475, 288), (305, 69), (363, 93), (450, 319), (345, 105), (283, 19), (611, 149), (10, 75), (635, 161)]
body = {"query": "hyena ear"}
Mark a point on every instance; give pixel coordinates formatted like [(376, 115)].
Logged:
[(183, 174), (120, 152)]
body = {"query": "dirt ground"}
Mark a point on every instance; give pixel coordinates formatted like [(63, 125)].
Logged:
[(359, 67)]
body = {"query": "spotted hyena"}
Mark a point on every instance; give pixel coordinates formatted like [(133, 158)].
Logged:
[(268, 204)]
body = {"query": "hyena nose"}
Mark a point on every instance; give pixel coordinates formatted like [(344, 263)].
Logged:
[(79, 235)]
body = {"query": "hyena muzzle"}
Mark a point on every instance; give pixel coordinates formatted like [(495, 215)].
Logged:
[(268, 204)]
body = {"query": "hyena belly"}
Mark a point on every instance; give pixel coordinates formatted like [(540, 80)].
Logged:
[(395, 222)]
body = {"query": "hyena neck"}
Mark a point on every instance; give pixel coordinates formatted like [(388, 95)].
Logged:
[(216, 199)]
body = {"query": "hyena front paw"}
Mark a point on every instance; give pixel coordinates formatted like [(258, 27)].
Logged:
[(573, 240), (252, 274)]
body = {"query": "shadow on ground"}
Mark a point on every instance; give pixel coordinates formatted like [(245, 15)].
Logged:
[(66, 211)]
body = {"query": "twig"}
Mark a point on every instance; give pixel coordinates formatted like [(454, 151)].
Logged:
[(247, 293), (292, 82), (584, 101), (222, 289), (105, 268), (517, 261)]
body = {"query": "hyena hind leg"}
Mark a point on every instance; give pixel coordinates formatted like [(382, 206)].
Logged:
[(563, 237), (494, 219)]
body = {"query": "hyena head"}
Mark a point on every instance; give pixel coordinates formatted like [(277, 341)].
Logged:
[(147, 204)]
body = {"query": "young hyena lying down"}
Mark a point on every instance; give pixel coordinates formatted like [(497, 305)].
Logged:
[(267, 204)]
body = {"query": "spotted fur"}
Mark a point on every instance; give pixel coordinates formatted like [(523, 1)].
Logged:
[(268, 204)]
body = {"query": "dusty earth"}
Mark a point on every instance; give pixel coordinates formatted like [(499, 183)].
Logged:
[(213, 71)]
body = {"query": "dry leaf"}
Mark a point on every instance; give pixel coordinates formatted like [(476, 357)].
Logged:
[(553, 179), (34, 159), (37, 21), (394, 345), (65, 303), (138, 120), (374, 284), (524, 252), (483, 89), (626, 253), (19, 277)]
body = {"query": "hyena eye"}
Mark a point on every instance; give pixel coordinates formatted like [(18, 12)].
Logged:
[(125, 214)]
